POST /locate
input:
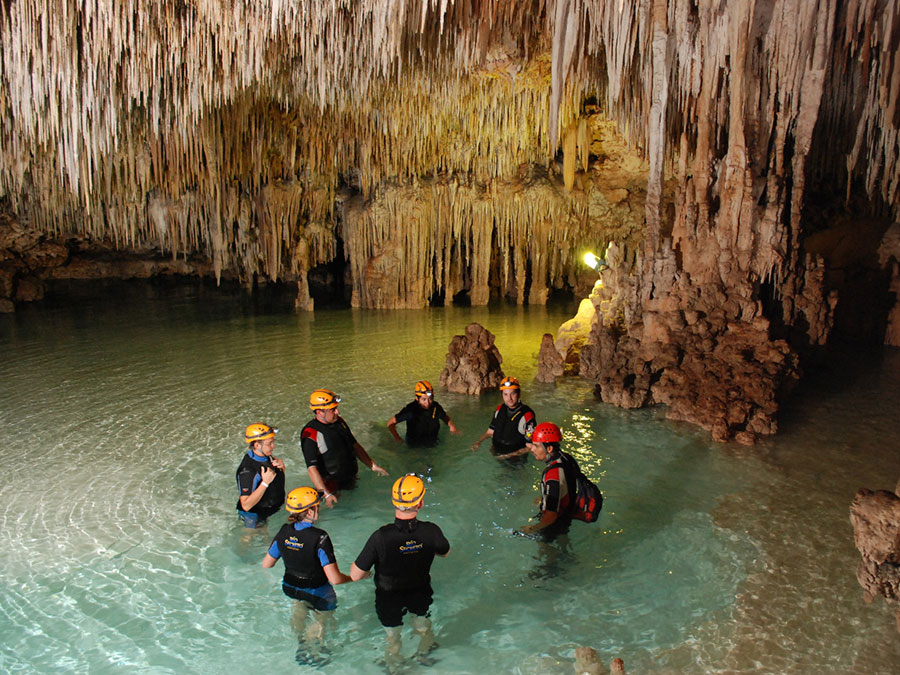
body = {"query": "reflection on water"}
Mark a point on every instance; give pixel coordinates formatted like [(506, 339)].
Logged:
[(119, 548)]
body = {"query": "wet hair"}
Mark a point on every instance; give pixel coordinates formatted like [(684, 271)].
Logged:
[(552, 448), (299, 517), (407, 509)]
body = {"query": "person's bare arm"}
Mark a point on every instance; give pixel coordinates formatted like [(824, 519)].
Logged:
[(356, 574)]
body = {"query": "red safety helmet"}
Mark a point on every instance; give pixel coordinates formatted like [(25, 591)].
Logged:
[(546, 432)]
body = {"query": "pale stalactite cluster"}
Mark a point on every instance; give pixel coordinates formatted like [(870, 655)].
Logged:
[(435, 237)]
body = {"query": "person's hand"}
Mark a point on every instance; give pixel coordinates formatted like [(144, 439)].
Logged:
[(277, 462), (397, 439), (267, 474), (379, 470), (453, 429), (529, 529), (330, 500), (476, 445)]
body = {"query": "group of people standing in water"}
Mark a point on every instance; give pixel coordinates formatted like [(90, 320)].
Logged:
[(400, 552)]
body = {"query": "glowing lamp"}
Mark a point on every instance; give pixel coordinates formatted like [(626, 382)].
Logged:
[(591, 260)]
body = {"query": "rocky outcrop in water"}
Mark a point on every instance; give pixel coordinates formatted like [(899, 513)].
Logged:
[(473, 362), (550, 363), (588, 662), (876, 532)]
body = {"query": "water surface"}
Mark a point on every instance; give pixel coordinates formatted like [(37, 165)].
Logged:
[(123, 415)]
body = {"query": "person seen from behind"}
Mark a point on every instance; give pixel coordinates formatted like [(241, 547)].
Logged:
[(402, 553), (310, 573)]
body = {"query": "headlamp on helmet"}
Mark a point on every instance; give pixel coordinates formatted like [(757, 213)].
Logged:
[(424, 388), (323, 399), (509, 383)]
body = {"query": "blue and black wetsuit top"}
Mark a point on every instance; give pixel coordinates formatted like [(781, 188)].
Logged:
[(331, 449), (249, 477), (511, 427), (402, 553), (422, 425), (306, 550)]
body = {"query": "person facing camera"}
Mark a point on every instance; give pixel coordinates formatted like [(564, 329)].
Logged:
[(260, 477), (423, 418), (330, 449)]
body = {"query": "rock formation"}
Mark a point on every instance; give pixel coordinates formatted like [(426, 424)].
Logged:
[(468, 150), (473, 362), (550, 364), (588, 662), (876, 531)]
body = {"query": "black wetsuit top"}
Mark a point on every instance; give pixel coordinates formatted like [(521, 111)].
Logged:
[(510, 426), (330, 448), (558, 483), (248, 478), (300, 550), (402, 553), (422, 425)]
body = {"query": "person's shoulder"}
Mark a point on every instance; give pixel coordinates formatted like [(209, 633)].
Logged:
[(428, 525), (408, 409), (284, 530)]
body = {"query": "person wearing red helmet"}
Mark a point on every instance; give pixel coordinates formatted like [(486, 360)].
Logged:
[(260, 477), (422, 417), (557, 483), (511, 425)]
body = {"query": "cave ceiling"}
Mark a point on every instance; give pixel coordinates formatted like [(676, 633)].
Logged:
[(248, 132)]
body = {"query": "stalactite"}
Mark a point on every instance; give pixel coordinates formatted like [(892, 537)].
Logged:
[(226, 128)]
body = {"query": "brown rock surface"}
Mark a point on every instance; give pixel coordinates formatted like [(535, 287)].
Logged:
[(550, 363), (876, 532), (473, 362)]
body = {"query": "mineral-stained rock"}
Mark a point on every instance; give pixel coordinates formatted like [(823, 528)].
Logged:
[(473, 362), (876, 532), (588, 662), (550, 363), (29, 289)]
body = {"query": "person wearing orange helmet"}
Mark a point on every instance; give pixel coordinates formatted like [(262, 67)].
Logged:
[(511, 425), (557, 483), (310, 572), (330, 449), (260, 476), (423, 418), (402, 553)]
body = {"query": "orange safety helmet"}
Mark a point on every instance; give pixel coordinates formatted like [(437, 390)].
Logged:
[(509, 383), (259, 431), (424, 388), (302, 498), (546, 432), (407, 491), (323, 399)]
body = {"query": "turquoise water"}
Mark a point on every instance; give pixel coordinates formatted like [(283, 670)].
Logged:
[(120, 550)]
